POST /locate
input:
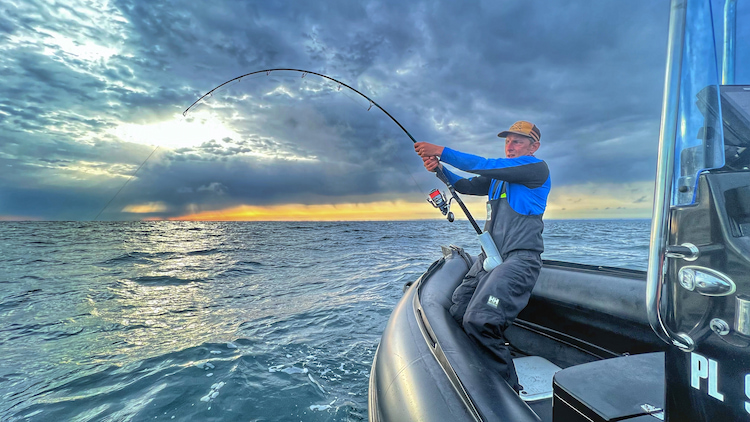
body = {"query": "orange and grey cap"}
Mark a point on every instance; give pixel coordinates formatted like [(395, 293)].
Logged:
[(524, 128)]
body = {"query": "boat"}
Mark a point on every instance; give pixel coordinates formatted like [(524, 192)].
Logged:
[(608, 344)]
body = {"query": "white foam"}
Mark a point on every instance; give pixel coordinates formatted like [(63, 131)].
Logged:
[(275, 368), (294, 370), (316, 383), (204, 365), (214, 391), (33, 413), (322, 406)]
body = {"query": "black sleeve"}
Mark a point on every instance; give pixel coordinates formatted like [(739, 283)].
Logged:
[(479, 185), (531, 175)]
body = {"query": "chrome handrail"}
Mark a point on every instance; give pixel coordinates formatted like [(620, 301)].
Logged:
[(665, 179)]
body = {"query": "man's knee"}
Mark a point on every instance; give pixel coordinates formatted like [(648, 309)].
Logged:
[(484, 324)]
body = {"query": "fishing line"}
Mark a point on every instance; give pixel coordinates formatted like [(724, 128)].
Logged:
[(410, 174), (126, 182)]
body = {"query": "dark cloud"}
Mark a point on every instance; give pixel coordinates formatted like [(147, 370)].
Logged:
[(588, 73)]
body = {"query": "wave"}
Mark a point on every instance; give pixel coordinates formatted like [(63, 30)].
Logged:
[(204, 252), (162, 280), (133, 257), (38, 332)]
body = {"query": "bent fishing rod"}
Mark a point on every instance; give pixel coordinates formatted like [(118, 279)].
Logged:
[(436, 198)]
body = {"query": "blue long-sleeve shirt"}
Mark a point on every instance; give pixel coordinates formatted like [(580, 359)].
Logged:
[(527, 177)]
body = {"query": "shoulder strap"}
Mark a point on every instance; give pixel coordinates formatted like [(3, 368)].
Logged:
[(499, 184)]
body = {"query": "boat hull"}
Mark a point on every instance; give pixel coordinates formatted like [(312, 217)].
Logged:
[(422, 351)]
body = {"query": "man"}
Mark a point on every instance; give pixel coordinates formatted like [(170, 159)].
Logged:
[(517, 187)]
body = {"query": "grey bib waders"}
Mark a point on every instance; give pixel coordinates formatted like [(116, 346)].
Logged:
[(487, 303)]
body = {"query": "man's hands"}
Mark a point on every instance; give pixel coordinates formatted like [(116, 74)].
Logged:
[(431, 163), (426, 149), (429, 153)]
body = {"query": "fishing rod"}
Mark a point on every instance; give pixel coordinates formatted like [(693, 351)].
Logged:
[(436, 198)]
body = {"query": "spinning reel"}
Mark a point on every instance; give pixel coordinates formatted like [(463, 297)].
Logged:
[(437, 199)]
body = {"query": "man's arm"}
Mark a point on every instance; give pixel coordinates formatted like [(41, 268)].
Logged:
[(475, 186), (526, 170), (479, 185)]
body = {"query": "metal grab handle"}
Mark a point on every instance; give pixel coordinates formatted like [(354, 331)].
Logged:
[(664, 181), (691, 252), (686, 251)]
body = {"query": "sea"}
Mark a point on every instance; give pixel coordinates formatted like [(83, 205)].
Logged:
[(223, 321)]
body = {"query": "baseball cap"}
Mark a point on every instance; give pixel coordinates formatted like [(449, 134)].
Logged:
[(524, 128)]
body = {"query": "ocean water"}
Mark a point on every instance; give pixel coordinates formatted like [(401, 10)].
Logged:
[(215, 321)]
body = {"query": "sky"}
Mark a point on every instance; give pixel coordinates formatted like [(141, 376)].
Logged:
[(93, 94)]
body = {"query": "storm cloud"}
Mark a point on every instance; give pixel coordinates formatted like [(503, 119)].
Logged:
[(90, 89)]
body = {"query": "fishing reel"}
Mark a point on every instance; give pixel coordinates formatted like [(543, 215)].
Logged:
[(437, 199)]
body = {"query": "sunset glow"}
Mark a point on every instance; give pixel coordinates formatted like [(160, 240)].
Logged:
[(578, 202), (374, 211)]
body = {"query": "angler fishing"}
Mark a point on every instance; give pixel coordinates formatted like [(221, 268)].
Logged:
[(497, 288), (517, 187)]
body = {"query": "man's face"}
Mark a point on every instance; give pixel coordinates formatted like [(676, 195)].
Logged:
[(518, 145)]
